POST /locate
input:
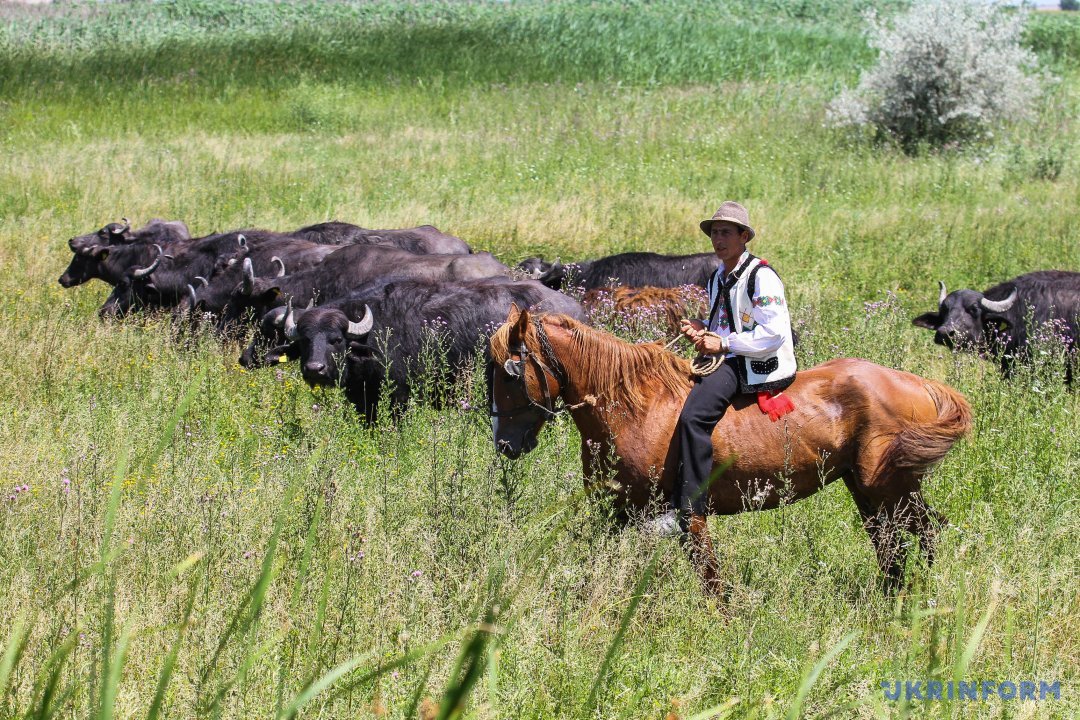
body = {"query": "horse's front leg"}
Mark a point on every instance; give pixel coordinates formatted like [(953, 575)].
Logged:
[(703, 556)]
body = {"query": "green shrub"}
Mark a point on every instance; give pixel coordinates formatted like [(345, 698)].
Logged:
[(947, 72), (1055, 37)]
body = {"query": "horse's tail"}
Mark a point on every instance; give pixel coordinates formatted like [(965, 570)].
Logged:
[(920, 445)]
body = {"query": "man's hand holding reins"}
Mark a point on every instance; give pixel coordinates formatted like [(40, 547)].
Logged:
[(706, 343), (710, 344), (693, 329)]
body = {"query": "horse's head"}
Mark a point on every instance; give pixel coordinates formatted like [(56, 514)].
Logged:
[(525, 380)]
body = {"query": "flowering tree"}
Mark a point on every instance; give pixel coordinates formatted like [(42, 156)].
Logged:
[(947, 71)]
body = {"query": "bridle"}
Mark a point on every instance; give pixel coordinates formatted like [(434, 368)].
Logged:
[(516, 370)]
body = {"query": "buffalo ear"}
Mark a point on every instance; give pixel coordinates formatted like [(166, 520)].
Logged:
[(100, 253), (994, 321), (269, 295), (930, 321)]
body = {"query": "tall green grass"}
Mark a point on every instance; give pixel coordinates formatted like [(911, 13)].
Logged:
[(175, 45), (197, 540), (268, 45)]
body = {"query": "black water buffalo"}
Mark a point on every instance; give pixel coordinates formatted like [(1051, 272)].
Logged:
[(1005, 319), (213, 296), (347, 269), (145, 273), (633, 268), (115, 252), (400, 329), (164, 282), (91, 250), (274, 258), (269, 344), (194, 263), (423, 240)]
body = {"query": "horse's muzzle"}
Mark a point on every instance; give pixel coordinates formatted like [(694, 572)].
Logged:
[(514, 450)]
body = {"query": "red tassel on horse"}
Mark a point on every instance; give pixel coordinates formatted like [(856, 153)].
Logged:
[(776, 405)]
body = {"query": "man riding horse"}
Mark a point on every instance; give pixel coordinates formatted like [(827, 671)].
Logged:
[(648, 429), (748, 330)]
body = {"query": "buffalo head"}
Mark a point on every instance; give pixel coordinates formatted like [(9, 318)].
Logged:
[(551, 274), (270, 344), (324, 338), (84, 267), (111, 234), (967, 319)]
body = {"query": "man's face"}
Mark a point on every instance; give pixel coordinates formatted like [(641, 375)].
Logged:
[(728, 240)]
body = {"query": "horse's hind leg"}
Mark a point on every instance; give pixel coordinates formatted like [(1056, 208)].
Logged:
[(887, 517), (930, 522), (882, 534)]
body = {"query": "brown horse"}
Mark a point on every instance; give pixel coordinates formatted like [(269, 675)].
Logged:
[(879, 429)]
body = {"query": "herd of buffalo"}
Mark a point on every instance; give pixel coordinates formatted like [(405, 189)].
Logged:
[(356, 306)]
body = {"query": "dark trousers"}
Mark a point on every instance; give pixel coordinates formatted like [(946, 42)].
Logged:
[(706, 404)]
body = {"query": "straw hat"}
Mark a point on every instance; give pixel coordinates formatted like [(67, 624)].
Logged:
[(731, 212)]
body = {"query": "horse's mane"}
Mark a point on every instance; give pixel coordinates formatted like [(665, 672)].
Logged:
[(618, 372)]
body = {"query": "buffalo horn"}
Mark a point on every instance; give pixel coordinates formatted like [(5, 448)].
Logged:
[(310, 304), (232, 261), (241, 240), (290, 325), (249, 277), (280, 263), (999, 305), (143, 272), (201, 279), (279, 315), (363, 327), (942, 293), (191, 295)]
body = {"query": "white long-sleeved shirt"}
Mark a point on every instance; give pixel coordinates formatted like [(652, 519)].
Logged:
[(769, 322)]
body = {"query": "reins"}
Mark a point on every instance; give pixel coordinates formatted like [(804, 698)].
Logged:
[(553, 368), (702, 365), (548, 365)]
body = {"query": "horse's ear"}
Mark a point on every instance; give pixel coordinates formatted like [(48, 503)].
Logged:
[(512, 316), (521, 323)]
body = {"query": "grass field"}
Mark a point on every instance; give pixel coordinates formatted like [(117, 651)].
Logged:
[(183, 538)]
